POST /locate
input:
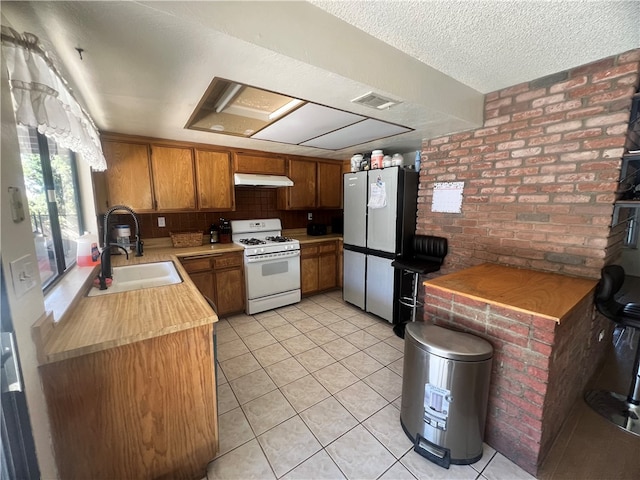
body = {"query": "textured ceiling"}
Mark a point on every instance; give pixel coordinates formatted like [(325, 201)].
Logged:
[(146, 65)]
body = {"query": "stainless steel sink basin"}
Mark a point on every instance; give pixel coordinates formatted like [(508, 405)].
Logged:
[(137, 277)]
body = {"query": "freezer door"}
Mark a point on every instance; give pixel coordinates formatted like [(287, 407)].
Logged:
[(355, 208), (353, 278), (380, 284), (381, 224)]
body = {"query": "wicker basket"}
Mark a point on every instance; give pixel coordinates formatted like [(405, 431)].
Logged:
[(186, 239)]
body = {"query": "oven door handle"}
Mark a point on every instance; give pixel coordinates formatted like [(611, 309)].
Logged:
[(266, 257)]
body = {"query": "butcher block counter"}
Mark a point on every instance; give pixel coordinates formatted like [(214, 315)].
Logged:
[(547, 344), (129, 380)]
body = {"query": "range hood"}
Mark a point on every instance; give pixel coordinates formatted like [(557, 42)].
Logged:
[(252, 180)]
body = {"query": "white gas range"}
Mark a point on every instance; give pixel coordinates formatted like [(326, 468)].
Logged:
[(271, 264)]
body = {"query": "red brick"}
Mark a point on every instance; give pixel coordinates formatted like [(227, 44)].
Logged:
[(592, 132), (439, 141), (627, 80), (510, 145), (528, 132), (556, 117), (568, 85), (547, 139), (589, 89), (497, 121), (604, 142), (489, 97), (615, 72), (610, 96), (503, 102), (530, 95), (564, 126), (562, 107), (501, 137), (603, 120), (514, 90), (483, 132), (525, 152), (527, 114), (562, 147), (630, 56), (534, 198), (559, 97), (593, 67)]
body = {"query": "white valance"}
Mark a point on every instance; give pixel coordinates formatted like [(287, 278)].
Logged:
[(42, 99)]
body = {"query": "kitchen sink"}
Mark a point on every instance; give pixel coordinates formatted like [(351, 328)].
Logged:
[(137, 277)]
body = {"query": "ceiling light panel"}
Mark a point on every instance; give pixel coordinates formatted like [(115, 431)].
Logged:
[(362, 132), (307, 122)]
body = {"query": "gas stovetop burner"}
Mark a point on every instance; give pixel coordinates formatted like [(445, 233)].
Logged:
[(252, 241), (279, 239)]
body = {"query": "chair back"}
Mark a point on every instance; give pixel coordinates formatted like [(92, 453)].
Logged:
[(430, 248), (611, 280)]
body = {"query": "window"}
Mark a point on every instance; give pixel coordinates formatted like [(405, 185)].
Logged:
[(51, 183)]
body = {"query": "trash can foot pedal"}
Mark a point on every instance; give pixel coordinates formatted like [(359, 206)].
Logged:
[(430, 451)]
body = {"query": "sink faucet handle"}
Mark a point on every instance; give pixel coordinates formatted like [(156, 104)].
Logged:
[(139, 246)]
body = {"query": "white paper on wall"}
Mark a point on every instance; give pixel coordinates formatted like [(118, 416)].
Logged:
[(447, 197), (377, 195)]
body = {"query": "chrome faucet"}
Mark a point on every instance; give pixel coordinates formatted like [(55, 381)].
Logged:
[(105, 256)]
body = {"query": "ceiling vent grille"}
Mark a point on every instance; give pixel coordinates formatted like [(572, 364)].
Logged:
[(375, 100)]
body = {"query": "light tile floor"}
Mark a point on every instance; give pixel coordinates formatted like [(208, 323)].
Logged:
[(312, 391)]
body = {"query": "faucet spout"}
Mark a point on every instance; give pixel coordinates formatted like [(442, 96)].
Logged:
[(107, 215), (105, 263)]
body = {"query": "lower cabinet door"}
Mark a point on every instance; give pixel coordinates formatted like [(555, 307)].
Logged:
[(229, 286)]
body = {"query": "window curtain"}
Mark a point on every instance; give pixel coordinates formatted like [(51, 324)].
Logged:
[(43, 100)]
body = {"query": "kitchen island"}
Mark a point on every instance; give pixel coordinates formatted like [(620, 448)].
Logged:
[(547, 343), (129, 380)]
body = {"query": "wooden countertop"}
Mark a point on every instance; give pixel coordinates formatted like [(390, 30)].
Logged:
[(545, 294), (102, 322)]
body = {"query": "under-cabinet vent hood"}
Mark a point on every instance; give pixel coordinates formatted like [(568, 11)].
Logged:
[(252, 180)]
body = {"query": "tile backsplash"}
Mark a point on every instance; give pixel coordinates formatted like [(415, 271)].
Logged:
[(250, 203)]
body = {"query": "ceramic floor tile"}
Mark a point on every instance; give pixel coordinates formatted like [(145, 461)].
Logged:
[(328, 420), (361, 400), (226, 399), (335, 377), (298, 344), (293, 314), (397, 403), (339, 348), (226, 335), (315, 359), (386, 383), (357, 445), (500, 467), (322, 335), (259, 340), (487, 455), (385, 426), (248, 328), (252, 386), (312, 309), (222, 325), (272, 321), (231, 349), (343, 328), (267, 411), (234, 430), (397, 472), (239, 366), (304, 393), (361, 339), (384, 353), (345, 311), (220, 378), (396, 342), (362, 320), (318, 467), (423, 469), (285, 331), (327, 318), (286, 371), (361, 364), (380, 330), (288, 445), (306, 324), (397, 366), (244, 462), (240, 318), (272, 354)]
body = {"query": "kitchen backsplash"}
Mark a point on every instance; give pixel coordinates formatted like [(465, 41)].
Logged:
[(250, 203)]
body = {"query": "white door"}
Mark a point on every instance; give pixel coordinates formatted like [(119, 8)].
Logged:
[(380, 275), (353, 278)]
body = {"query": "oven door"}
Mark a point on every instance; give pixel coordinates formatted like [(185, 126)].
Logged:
[(271, 274)]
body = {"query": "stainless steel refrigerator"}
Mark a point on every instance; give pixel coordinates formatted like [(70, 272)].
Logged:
[(376, 230)]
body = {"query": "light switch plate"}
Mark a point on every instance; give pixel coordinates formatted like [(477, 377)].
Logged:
[(23, 275), (161, 222)]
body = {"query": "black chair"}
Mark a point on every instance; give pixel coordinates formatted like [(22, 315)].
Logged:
[(618, 409), (426, 256)]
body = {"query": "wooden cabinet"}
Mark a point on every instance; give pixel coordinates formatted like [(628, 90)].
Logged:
[(173, 178), (143, 410), (317, 184), (128, 177), (318, 267), (214, 180), (259, 164), (219, 277)]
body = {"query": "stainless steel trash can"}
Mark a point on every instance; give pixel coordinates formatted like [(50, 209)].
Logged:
[(445, 389)]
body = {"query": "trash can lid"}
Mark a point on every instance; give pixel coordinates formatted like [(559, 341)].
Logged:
[(449, 343)]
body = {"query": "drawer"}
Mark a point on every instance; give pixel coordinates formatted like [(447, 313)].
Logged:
[(328, 247), (196, 264), (307, 251), (227, 261)]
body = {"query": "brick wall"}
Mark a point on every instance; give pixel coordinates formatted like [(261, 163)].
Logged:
[(539, 368), (540, 176)]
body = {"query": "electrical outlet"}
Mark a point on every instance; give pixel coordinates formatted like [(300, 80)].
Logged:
[(309, 216), (23, 275), (161, 222)]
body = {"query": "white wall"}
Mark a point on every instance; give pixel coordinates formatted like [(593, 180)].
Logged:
[(16, 240)]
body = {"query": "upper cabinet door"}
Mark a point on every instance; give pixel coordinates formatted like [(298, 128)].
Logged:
[(128, 175), (173, 178), (259, 164), (214, 181), (303, 193), (329, 185)]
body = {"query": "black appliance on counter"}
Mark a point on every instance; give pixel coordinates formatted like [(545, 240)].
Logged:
[(316, 229)]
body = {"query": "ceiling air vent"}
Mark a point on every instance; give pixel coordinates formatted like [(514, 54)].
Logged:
[(375, 100)]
